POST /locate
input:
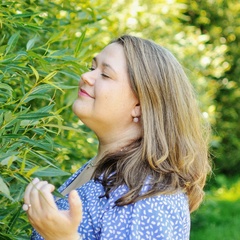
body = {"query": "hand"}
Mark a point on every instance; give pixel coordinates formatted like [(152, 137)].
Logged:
[(44, 215)]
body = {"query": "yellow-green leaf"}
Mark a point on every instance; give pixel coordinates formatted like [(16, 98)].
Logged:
[(31, 171), (35, 72), (49, 76)]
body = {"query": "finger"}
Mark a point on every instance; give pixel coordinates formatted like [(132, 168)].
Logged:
[(29, 189), (43, 204), (75, 207), (46, 198), (34, 197)]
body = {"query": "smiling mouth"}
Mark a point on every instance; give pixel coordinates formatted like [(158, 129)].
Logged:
[(83, 93)]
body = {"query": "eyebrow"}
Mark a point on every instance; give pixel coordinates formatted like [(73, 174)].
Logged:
[(105, 64)]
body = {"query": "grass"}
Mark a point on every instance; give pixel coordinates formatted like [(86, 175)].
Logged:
[(219, 215)]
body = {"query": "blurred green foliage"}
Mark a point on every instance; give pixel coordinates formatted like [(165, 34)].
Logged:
[(220, 21), (218, 217), (46, 45)]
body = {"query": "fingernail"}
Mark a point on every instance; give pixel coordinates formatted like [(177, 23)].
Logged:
[(35, 180), (75, 194)]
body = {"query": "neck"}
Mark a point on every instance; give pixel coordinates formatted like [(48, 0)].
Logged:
[(115, 142)]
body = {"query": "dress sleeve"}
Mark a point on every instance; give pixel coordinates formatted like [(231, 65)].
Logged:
[(164, 217)]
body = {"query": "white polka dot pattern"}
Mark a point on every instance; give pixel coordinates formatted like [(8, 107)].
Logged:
[(164, 217)]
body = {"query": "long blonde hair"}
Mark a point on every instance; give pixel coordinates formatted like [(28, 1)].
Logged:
[(173, 149)]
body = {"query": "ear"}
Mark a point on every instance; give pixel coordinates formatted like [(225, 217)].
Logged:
[(136, 112)]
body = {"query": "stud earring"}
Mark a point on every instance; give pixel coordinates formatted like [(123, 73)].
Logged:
[(135, 119)]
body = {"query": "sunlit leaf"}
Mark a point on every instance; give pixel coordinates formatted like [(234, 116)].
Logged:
[(35, 72), (79, 43), (31, 171), (50, 172), (48, 77)]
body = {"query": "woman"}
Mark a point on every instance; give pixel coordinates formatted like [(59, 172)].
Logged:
[(152, 160)]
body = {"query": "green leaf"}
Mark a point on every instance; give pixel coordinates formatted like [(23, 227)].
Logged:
[(1, 119), (58, 194), (43, 157), (63, 86), (12, 42), (4, 189), (45, 109), (50, 172), (34, 115), (14, 219), (21, 178), (43, 145), (31, 43), (16, 127), (6, 87), (70, 74), (8, 161), (8, 116), (43, 88), (35, 72), (49, 76), (58, 53), (5, 156), (30, 171), (23, 15), (27, 123), (79, 44), (37, 96)]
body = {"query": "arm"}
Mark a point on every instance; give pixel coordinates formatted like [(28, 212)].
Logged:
[(44, 215)]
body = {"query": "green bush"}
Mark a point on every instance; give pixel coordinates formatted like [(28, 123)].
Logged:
[(43, 52)]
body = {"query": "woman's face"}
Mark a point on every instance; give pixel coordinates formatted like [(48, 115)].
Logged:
[(105, 100)]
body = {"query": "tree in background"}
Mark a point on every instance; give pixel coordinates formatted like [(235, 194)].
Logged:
[(220, 20)]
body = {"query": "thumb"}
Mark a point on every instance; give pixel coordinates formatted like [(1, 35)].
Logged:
[(75, 207)]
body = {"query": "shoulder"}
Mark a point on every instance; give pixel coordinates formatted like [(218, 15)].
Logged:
[(163, 206), (167, 215)]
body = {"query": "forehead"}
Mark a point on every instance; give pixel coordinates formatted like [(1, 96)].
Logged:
[(113, 55)]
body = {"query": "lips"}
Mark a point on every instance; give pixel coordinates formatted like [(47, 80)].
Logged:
[(84, 93)]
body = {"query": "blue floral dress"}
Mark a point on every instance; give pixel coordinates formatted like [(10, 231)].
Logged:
[(164, 217)]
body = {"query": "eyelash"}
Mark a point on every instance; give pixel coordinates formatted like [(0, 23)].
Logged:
[(103, 75)]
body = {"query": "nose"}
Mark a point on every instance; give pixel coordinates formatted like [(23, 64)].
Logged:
[(88, 78)]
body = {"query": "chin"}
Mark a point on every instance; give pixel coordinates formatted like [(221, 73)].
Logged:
[(80, 110), (74, 107), (77, 108)]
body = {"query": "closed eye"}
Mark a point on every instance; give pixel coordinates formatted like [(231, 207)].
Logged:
[(105, 76)]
